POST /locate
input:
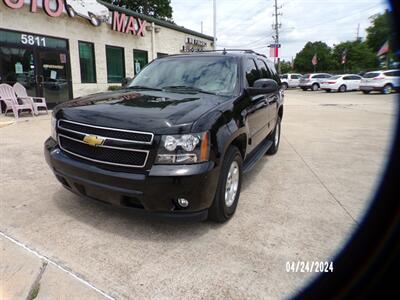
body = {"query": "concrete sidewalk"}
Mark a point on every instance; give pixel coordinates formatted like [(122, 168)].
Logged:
[(25, 274)]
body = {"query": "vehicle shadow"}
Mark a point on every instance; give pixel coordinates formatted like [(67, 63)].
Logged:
[(127, 223), (249, 177)]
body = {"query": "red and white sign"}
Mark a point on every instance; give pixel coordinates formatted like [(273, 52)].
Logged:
[(92, 10), (274, 52)]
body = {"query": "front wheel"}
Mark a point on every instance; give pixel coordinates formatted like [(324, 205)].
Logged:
[(228, 189), (285, 85), (315, 87), (387, 89), (342, 88), (94, 20), (71, 11), (275, 138)]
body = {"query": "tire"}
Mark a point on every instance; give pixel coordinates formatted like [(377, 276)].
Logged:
[(387, 89), (285, 86), (94, 20), (315, 87), (366, 92), (71, 11), (275, 138), (225, 203), (342, 88)]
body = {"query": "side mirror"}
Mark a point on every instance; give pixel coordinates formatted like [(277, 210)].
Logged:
[(263, 86), (126, 81)]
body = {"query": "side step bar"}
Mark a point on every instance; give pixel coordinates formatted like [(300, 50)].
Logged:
[(256, 155)]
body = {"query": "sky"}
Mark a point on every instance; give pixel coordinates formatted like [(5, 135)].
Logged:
[(248, 23)]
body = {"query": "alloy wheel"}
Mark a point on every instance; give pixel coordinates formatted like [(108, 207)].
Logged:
[(232, 184)]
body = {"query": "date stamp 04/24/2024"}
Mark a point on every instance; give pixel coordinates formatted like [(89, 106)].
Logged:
[(309, 266)]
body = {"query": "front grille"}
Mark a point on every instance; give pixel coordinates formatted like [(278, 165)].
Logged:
[(110, 133), (104, 154)]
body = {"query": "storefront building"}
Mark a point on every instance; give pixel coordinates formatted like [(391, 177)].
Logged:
[(60, 49)]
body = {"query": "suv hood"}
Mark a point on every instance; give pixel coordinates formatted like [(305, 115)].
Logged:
[(159, 112)]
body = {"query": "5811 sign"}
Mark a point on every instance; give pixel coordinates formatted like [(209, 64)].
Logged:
[(33, 40)]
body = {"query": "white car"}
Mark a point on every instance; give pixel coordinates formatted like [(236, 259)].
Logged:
[(342, 83), (88, 9), (383, 81), (290, 80)]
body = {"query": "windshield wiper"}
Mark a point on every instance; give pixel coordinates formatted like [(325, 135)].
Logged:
[(142, 87), (188, 88)]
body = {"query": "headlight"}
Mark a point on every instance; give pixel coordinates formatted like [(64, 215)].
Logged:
[(53, 128), (183, 149)]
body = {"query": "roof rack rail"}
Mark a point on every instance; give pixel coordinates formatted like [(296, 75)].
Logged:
[(224, 51)]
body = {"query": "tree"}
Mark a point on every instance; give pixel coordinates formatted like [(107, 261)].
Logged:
[(380, 31), (286, 67), (359, 57), (302, 61), (160, 9)]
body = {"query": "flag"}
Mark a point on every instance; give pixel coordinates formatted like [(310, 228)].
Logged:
[(273, 51), (384, 49), (344, 56), (314, 60)]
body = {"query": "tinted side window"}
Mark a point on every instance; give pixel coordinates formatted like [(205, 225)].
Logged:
[(251, 72), (264, 70), (284, 76), (317, 76), (393, 74), (273, 74), (295, 76), (326, 76), (347, 78), (354, 77)]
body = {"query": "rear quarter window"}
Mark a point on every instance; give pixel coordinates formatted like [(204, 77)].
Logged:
[(392, 74), (371, 75)]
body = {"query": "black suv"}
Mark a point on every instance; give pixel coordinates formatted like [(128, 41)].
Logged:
[(176, 140)]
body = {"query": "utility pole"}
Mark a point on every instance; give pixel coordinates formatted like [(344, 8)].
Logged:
[(201, 26), (358, 32), (215, 24), (276, 26)]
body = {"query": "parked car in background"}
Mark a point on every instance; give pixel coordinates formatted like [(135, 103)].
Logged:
[(313, 81), (342, 83), (383, 81), (290, 80)]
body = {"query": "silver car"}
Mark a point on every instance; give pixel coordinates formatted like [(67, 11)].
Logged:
[(313, 81), (290, 80), (384, 81)]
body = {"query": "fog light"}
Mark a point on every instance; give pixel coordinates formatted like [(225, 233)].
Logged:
[(183, 202)]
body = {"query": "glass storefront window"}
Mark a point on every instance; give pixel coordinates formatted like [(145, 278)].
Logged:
[(18, 65), (87, 62), (140, 59), (115, 64)]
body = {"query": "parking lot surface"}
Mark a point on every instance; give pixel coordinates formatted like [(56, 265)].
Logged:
[(301, 204)]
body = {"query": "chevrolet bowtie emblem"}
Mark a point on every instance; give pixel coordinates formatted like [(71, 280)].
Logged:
[(93, 140)]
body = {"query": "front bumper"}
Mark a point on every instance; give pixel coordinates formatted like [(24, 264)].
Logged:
[(305, 84), (154, 191), (370, 88)]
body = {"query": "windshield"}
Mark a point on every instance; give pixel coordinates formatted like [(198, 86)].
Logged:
[(371, 75), (210, 74)]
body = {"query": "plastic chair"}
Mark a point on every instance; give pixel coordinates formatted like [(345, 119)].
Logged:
[(7, 95), (36, 102)]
